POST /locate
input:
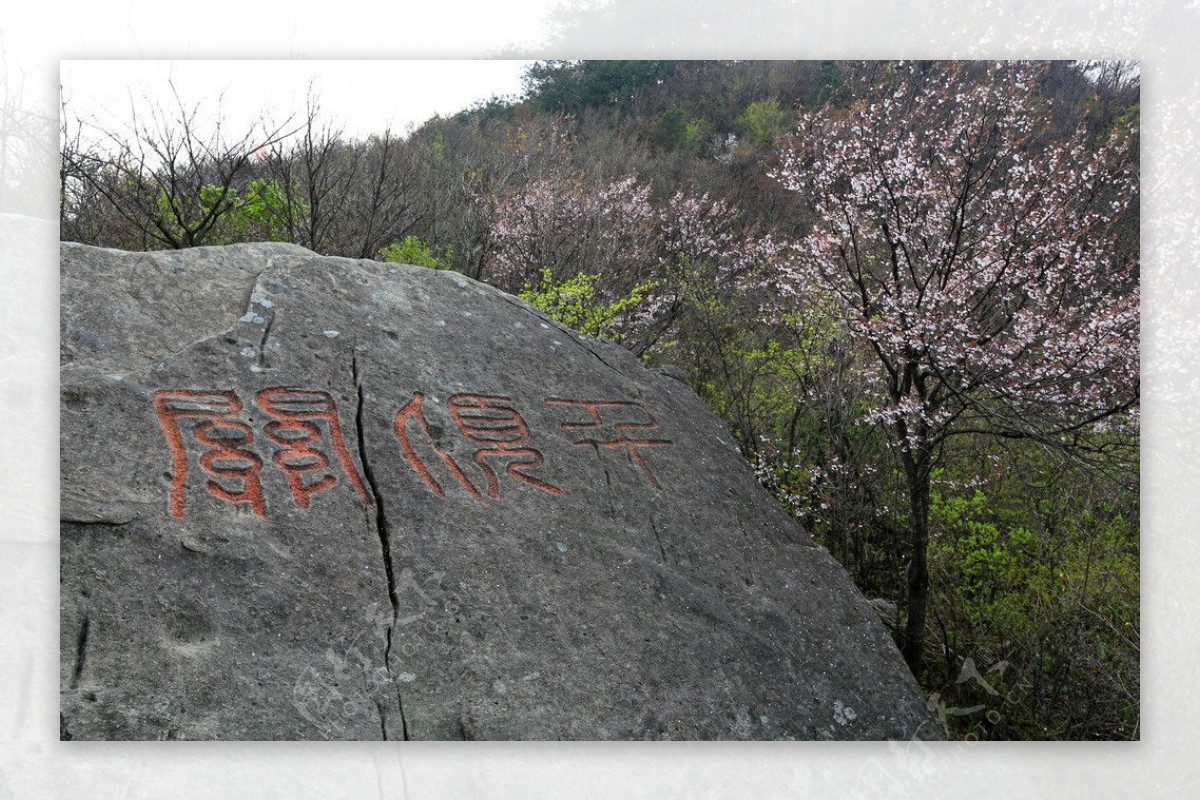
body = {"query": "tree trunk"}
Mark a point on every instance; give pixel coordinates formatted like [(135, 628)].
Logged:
[(917, 472)]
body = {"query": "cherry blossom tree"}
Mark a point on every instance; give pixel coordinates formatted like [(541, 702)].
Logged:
[(562, 225), (569, 225), (979, 259)]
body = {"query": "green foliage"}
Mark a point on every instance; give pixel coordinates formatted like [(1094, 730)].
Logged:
[(1036, 587), (749, 373), (669, 128), (259, 213), (495, 108), (995, 555), (763, 120), (1128, 123), (828, 87), (694, 134), (572, 87), (674, 131), (411, 250), (263, 211), (575, 302)]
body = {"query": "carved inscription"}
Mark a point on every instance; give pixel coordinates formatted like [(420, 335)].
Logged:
[(295, 429), (490, 421), (609, 423), (306, 442), (303, 421), (413, 411), (234, 468)]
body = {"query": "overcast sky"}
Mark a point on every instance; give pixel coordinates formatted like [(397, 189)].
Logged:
[(362, 96)]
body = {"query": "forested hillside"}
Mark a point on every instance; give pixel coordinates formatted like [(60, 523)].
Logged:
[(910, 289)]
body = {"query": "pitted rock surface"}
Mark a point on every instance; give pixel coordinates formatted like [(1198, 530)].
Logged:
[(311, 498)]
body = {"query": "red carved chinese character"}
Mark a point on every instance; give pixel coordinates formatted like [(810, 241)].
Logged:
[(488, 420), (413, 411), (618, 437), (225, 459), (295, 430)]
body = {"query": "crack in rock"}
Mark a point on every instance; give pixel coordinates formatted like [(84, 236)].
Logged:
[(381, 528), (658, 539), (81, 642)]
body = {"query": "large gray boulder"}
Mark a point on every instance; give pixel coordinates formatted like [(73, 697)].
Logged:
[(317, 498)]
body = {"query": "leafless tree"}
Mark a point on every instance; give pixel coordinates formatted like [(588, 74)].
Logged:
[(167, 178)]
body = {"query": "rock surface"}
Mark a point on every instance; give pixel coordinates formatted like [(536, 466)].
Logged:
[(317, 498)]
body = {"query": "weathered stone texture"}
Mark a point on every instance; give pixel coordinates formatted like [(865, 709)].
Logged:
[(313, 498)]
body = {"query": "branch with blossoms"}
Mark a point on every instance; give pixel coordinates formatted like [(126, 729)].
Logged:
[(563, 225), (982, 268), (980, 262)]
